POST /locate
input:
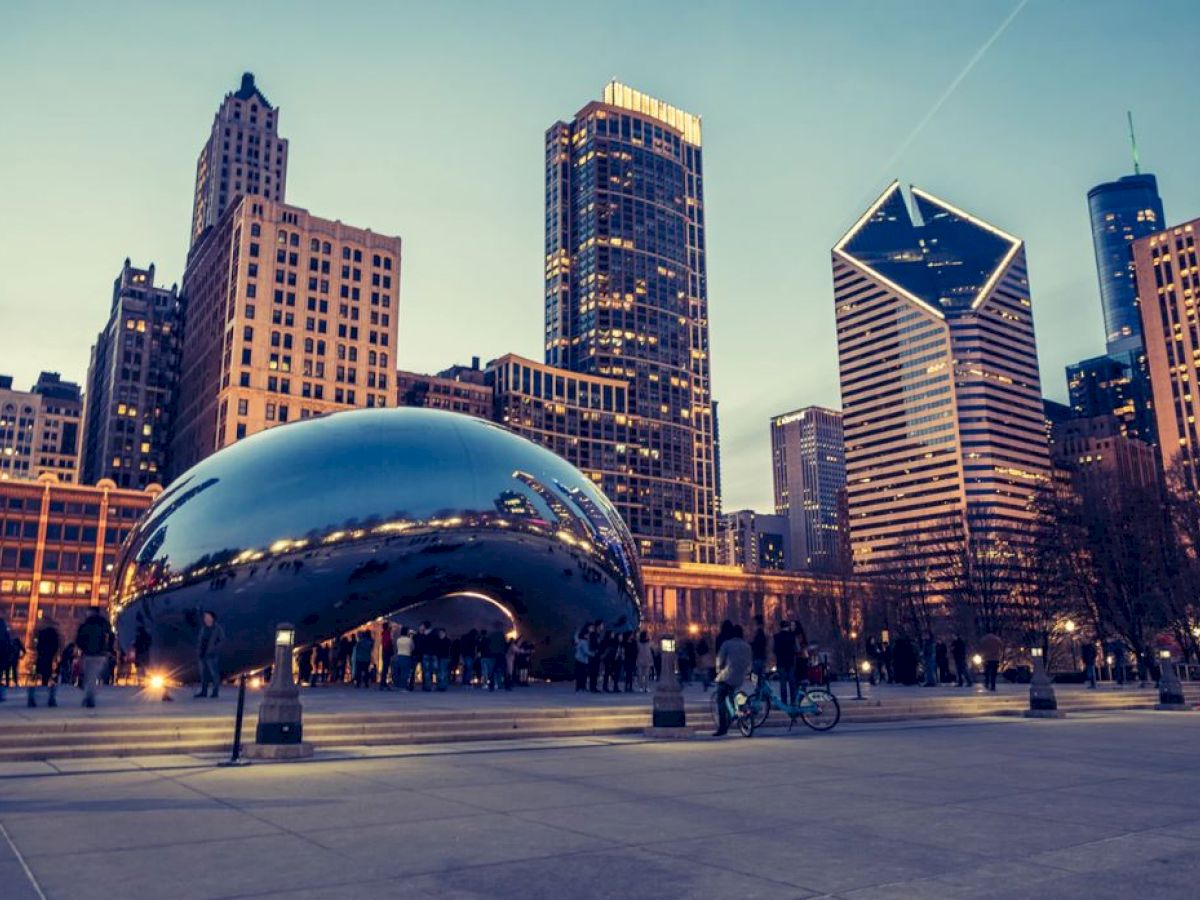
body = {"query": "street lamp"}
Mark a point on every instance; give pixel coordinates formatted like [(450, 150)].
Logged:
[(1042, 702), (668, 719), (1170, 691), (1069, 627), (280, 726), (854, 658)]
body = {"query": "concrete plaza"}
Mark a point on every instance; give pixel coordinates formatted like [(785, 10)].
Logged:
[(1097, 805)]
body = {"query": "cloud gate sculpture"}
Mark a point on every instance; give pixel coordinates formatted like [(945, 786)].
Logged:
[(330, 523)]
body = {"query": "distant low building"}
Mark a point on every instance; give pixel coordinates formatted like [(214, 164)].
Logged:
[(1096, 450), (40, 429), (459, 389), (754, 541)]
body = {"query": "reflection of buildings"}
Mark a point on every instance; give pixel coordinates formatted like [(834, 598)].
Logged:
[(40, 428), (1097, 450), (516, 505), (754, 541), (58, 544), (941, 395), (288, 316), (131, 383), (627, 298), (809, 464), (1168, 285)]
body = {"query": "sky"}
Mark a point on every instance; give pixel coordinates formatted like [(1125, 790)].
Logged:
[(427, 119)]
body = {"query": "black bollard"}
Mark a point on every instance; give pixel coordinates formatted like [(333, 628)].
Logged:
[(235, 757)]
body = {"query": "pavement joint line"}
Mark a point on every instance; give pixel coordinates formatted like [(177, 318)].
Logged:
[(37, 888)]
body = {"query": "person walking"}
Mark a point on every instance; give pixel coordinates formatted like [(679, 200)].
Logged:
[(387, 650), (46, 645), (583, 655), (734, 662), (991, 648), (758, 649), (94, 640), (402, 660), (962, 672), (645, 661), (1087, 653), (364, 652), (208, 652)]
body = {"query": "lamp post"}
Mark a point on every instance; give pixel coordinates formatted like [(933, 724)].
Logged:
[(669, 719), (280, 728), (854, 661), (1170, 690), (1069, 627), (1042, 702)]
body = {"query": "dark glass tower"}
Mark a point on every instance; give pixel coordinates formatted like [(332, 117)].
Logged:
[(627, 298), (1121, 212)]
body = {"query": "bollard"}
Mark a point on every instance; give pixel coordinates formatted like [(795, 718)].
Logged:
[(1043, 704), (669, 719), (235, 756)]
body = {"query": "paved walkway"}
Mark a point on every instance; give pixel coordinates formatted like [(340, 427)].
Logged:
[(1095, 806)]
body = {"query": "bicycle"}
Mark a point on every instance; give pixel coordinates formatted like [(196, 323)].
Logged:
[(817, 707), (738, 710)]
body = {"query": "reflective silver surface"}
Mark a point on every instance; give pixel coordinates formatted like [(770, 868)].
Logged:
[(329, 523)]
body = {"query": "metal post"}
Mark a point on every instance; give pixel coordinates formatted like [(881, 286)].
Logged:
[(668, 717), (235, 757), (1170, 690), (854, 661)]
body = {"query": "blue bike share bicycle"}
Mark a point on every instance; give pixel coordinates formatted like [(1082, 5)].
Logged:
[(816, 707)]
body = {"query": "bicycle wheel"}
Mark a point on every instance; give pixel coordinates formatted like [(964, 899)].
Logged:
[(827, 713), (745, 720), (759, 703)]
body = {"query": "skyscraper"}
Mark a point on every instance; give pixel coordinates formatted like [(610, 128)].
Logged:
[(288, 316), (131, 382), (809, 466), (40, 429), (244, 155), (754, 541), (1168, 283), (627, 298), (941, 397), (1121, 211)]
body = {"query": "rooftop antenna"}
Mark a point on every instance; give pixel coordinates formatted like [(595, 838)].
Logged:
[(1137, 167)]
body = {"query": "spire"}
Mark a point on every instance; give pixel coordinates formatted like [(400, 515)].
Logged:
[(1137, 165)]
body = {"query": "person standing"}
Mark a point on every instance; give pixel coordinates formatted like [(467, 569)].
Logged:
[(801, 667), (142, 642), (387, 649), (706, 659), (208, 653), (16, 653), (364, 651), (94, 640), (734, 663), (958, 649), (611, 650), (583, 655), (46, 644), (991, 648), (5, 650), (511, 651), (784, 645), (645, 661), (630, 660), (1087, 653), (943, 662), (686, 661), (428, 655), (758, 649), (402, 661), (595, 648), (441, 651), (487, 658)]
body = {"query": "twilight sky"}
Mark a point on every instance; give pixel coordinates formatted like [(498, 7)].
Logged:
[(426, 120)]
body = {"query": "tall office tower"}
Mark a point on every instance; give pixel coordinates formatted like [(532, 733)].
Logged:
[(244, 155), (131, 383), (40, 429), (756, 542), (1122, 211), (941, 398), (627, 298), (809, 465), (288, 316), (1106, 386), (1168, 284)]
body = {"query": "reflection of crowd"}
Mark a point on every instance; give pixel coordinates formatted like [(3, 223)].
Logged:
[(425, 658)]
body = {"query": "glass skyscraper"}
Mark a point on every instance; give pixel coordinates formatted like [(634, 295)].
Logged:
[(627, 298)]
